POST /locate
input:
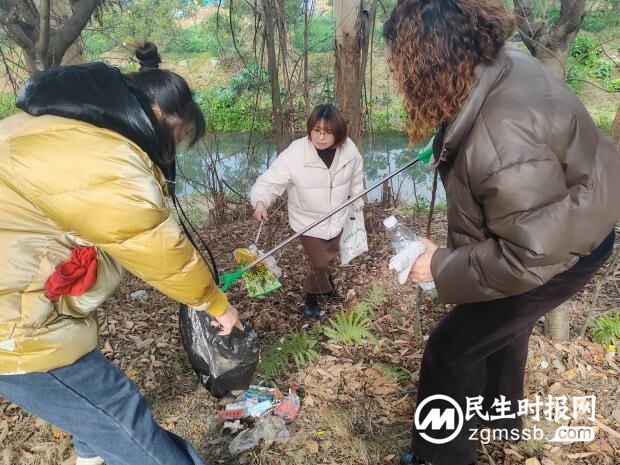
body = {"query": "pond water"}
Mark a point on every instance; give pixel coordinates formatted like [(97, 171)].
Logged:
[(234, 161)]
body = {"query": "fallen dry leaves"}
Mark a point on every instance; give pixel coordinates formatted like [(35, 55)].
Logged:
[(353, 412)]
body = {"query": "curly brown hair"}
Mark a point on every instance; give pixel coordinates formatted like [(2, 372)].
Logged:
[(435, 46)]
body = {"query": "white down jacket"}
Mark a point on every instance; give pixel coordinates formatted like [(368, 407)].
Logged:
[(313, 189)]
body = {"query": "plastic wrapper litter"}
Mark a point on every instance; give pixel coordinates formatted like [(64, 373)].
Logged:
[(270, 429), (222, 363)]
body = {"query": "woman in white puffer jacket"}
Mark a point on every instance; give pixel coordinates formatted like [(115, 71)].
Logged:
[(319, 172)]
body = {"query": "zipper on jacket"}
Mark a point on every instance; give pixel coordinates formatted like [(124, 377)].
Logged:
[(331, 187)]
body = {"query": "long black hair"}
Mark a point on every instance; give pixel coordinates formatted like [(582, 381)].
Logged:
[(171, 93), (104, 97)]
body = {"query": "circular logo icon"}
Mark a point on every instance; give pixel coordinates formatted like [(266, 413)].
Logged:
[(443, 416)]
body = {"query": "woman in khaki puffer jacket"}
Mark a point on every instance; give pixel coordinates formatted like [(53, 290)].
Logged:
[(88, 164), (533, 195)]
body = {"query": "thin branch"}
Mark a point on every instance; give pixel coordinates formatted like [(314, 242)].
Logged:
[(232, 33), (593, 85), (8, 71), (601, 43), (525, 14)]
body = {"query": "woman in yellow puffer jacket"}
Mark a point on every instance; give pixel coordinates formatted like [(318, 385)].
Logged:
[(87, 166)]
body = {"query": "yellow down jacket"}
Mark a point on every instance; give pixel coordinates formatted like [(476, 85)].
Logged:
[(65, 184)]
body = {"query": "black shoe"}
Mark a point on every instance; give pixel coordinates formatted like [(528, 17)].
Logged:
[(312, 309), (408, 458)]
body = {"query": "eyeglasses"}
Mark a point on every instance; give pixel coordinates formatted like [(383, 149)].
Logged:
[(322, 132)]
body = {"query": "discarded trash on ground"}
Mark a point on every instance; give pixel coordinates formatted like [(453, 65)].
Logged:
[(259, 403), (270, 429), (288, 408), (140, 295), (233, 426)]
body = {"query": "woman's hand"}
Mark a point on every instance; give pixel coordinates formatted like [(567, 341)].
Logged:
[(228, 320), (421, 270), (260, 212)]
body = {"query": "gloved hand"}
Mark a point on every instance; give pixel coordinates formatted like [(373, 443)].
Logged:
[(404, 260)]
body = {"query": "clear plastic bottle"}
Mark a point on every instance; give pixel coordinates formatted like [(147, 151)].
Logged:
[(401, 238)]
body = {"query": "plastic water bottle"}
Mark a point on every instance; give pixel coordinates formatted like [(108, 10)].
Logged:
[(404, 239)]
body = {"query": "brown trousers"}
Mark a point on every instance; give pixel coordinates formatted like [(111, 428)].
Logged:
[(322, 255)]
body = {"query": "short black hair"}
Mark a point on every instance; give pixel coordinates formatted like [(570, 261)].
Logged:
[(333, 118)]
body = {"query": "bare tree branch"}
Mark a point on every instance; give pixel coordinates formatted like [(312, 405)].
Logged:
[(571, 15), (8, 71), (593, 85), (15, 22), (69, 31)]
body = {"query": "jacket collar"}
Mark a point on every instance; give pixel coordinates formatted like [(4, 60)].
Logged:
[(487, 76), (312, 159)]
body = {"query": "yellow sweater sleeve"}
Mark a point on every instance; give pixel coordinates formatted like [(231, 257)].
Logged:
[(109, 196)]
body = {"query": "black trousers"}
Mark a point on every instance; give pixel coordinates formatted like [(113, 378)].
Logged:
[(480, 349)]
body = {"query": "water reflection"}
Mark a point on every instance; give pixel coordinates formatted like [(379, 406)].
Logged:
[(232, 163)]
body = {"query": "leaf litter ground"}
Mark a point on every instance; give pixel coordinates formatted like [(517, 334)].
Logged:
[(357, 401)]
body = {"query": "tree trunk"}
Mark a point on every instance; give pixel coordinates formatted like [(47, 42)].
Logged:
[(351, 49), (46, 29), (75, 53), (615, 130), (557, 323), (550, 44), (306, 90), (386, 195), (272, 64), (556, 60)]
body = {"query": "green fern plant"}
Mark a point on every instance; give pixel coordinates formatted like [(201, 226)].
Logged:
[(375, 297), (348, 328), (353, 327), (606, 330), (275, 359), (400, 374), (301, 347), (370, 303), (316, 331)]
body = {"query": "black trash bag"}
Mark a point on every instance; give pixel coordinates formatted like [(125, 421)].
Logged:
[(222, 363)]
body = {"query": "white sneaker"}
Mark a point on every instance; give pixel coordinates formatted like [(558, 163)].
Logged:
[(89, 461)]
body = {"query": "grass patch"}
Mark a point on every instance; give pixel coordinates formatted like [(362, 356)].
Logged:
[(7, 105)]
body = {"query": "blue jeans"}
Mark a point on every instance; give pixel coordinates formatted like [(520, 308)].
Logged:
[(95, 401)]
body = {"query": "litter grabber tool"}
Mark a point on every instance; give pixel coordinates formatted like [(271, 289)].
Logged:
[(228, 279), (261, 279)]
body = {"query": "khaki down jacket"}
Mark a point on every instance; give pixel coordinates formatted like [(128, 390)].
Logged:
[(531, 184), (313, 189), (64, 184)]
